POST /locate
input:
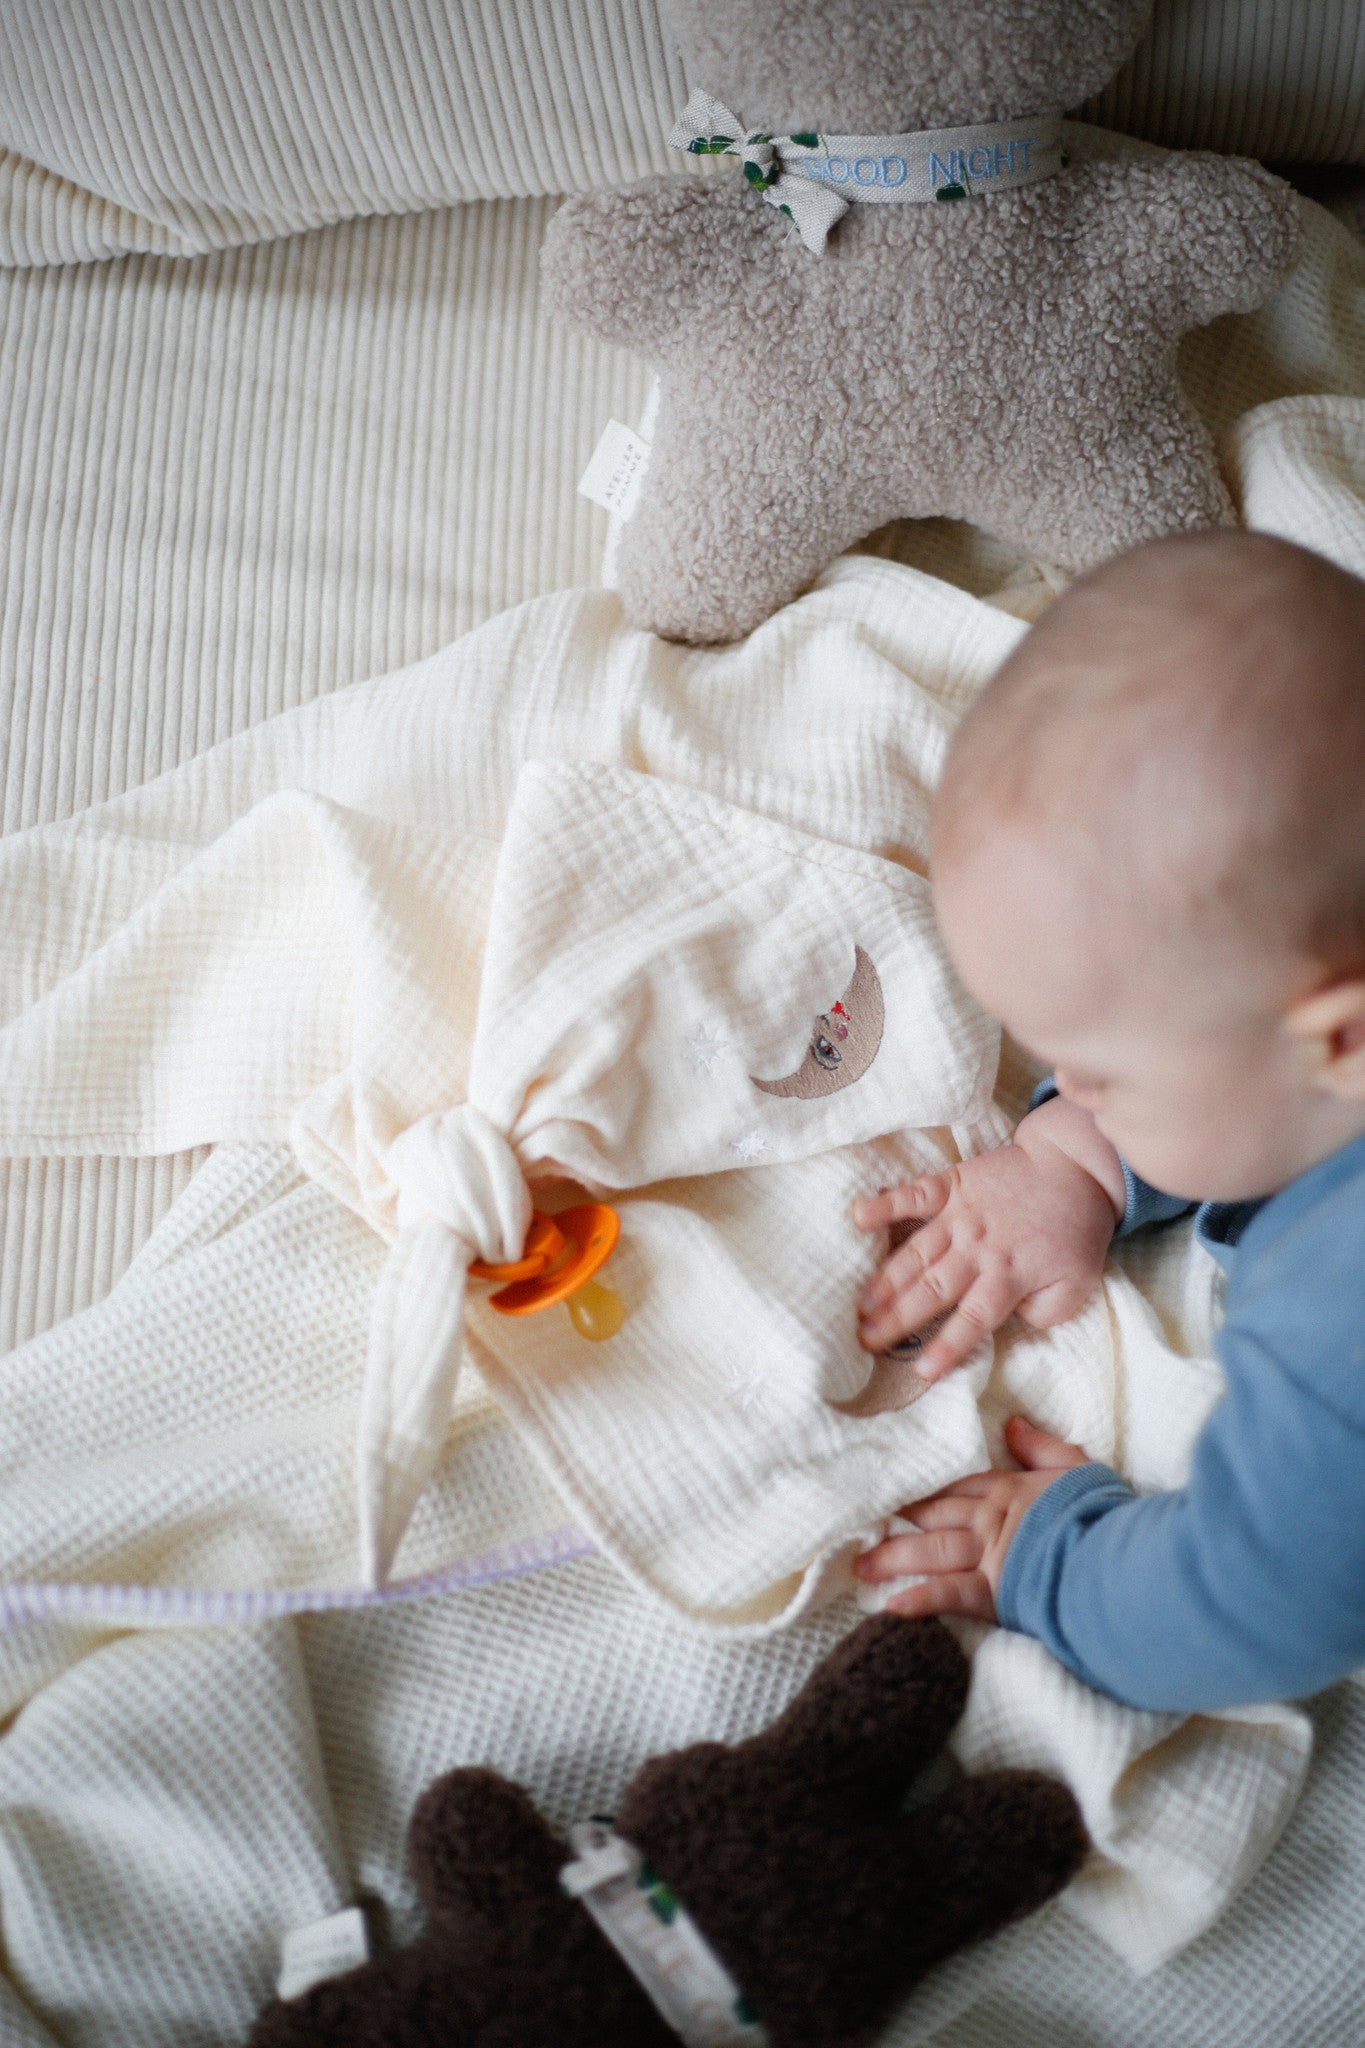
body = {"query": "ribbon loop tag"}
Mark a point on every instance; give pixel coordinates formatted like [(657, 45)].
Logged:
[(812, 177), (658, 1941), (324, 1948)]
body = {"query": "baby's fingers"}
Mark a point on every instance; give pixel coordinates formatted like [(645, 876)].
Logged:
[(967, 1593), (953, 1509), (894, 1305), (905, 1265), (977, 1316), (1056, 1303), (933, 1550), (916, 1200)]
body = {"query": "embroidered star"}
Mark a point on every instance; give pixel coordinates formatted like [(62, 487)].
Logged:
[(704, 1048), (751, 1146), (744, 1386)]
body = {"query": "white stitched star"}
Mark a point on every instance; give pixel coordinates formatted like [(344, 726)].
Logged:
[(744, 1386), (751, 1146), (704, 1048)]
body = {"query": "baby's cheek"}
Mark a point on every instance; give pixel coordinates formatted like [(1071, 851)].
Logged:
[(1214, 1148)]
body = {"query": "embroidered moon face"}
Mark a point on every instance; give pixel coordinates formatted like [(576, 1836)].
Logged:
[(894, 1381), (843, 1042)]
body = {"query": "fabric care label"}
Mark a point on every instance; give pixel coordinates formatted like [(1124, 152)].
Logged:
[(325, 1948), (614, 476)]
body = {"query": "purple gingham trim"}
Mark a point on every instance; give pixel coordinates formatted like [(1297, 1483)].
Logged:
[(190, 1606)]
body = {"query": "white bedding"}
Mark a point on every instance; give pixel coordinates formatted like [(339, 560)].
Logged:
[(1311, 348), (325, 1731)]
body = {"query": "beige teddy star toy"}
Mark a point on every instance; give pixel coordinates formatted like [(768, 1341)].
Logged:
[(920, 293)]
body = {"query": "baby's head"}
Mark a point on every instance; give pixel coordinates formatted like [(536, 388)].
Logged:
[(1149, 857)]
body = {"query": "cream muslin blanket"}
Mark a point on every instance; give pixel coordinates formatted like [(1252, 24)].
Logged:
[(558, 899), (645, 949)]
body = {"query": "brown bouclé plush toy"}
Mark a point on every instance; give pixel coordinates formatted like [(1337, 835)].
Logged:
[(1008, 359), (792, 1854)]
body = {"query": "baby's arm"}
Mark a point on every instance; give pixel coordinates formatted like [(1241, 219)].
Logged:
[(1026, 1228), (1248, 1584)]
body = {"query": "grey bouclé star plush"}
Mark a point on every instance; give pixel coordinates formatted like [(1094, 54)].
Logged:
[(1001, 349)]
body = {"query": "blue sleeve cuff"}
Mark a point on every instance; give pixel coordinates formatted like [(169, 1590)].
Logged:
[(1144, 1204), (1147, 1204), (1023, 1593)]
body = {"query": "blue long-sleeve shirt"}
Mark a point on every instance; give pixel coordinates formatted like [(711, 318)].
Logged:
[(1248, 1583)]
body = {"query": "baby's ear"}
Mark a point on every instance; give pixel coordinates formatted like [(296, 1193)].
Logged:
[(1331, 1025), (881, 1705), (479, 1849)]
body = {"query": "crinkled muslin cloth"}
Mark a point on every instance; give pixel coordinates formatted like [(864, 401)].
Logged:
[(564, 906), (647, 962)]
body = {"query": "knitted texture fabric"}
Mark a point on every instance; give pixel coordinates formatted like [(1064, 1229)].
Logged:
[(1276, 79), (623, 914), (180, 126), (220, 503), (147, 1882), (1009, 360), (792, 1853)]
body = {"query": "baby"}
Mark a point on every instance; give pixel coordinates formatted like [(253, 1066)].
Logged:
[(1149, 859)]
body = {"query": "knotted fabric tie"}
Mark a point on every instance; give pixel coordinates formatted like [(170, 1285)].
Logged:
[(461, 1196), (811, 177), (708, 128)]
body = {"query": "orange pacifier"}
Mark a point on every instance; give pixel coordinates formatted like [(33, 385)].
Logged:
[(557, 1263)]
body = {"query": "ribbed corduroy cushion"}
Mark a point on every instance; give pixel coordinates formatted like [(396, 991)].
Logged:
[(1283, 80), (179, 126)]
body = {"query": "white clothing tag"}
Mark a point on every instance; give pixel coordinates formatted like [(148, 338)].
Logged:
[(614, 476), (658, 1941), (325, 1948)]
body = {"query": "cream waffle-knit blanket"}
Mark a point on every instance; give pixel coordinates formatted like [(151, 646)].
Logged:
[(372, 925)]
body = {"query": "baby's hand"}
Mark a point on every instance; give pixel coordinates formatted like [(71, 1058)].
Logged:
[(1024, 1228), (966, 1530)]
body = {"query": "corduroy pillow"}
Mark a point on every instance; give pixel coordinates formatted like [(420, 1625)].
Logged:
[(187, 125)]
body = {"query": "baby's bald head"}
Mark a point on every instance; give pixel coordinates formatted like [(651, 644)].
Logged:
[(1185, 732)]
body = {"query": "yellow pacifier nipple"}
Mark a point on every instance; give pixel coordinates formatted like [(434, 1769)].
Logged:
[(595, 1312)]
